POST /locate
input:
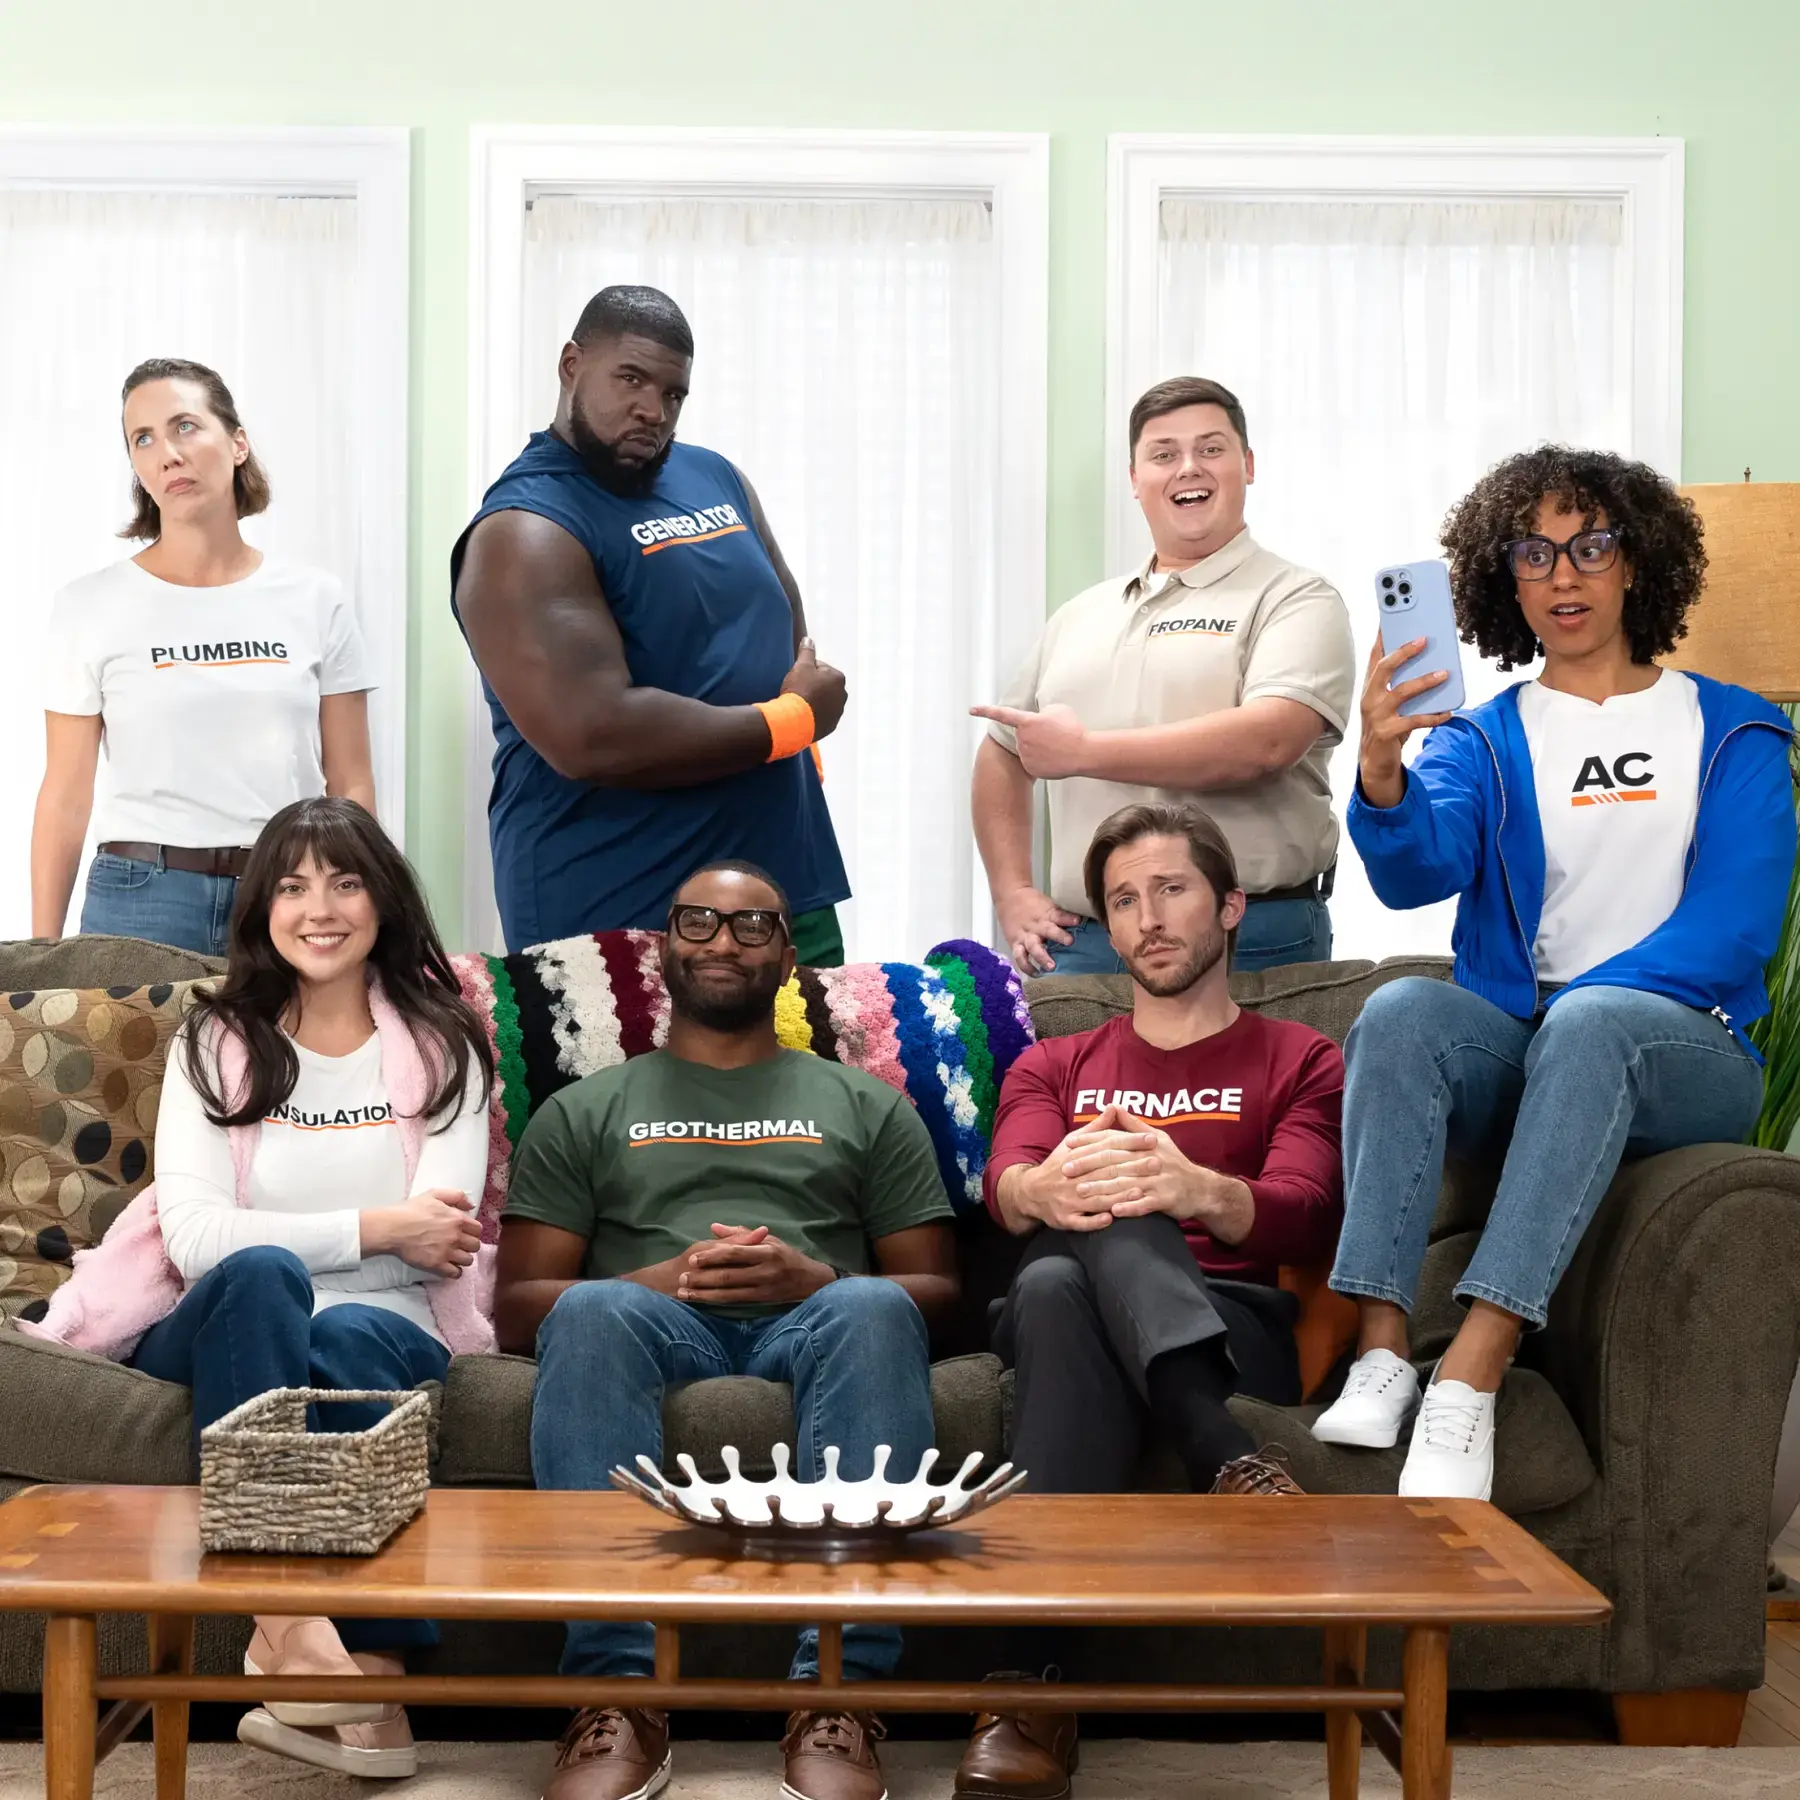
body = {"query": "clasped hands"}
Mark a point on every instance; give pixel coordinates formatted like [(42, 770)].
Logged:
[(1118, 1166), (743, 1265)]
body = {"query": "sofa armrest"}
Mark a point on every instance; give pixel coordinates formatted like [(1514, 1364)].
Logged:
[(1673, 1340)]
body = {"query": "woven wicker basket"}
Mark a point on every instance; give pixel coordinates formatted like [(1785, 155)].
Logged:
[(268, 1484)]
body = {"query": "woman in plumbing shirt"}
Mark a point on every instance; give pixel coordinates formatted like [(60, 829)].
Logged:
[(223, 685)]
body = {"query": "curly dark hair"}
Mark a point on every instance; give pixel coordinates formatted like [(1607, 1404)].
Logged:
[(1658, 528)]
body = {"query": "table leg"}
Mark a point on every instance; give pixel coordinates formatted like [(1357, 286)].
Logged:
[(831, 1655), (171, 1653), (71, 1711), (1345, 1652), (1425, 1682)]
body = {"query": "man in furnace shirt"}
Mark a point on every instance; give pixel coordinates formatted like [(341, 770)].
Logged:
[(1218, 673), (1163, 1166)]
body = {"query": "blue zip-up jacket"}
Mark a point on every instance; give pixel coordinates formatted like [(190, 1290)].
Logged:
[(1467, 826)]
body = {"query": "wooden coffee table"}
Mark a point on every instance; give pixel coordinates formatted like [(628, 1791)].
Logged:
[(1341, 1564)]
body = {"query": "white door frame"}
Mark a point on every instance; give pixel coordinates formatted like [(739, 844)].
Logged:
[(1009, 170), (372, 166), (1645, 174)]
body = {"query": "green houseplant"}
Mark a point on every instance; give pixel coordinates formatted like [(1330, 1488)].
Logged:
[(1777, 1034)]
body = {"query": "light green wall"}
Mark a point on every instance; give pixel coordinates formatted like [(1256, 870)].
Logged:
[(1722, 76)]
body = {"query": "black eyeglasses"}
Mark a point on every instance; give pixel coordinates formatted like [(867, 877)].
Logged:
[(752, 926), (1589, 553)]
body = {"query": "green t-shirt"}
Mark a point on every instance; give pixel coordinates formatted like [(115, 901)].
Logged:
[(643, 1158)]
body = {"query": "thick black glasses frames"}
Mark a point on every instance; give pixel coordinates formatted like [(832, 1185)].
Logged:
[(1589, 553), (752, 926)]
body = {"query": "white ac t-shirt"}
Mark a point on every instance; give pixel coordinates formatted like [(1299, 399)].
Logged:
[(331, 1153), (1618, 791), (209, 696)]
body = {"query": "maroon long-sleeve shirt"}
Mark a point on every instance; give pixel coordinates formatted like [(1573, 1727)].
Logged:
[(1261, 1100)]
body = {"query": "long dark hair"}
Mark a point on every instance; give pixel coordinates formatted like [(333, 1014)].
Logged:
[(249, 484), (260, 984)]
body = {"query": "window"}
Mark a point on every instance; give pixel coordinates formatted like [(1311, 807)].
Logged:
[(865, 315), (1395, 319), (280, 260)]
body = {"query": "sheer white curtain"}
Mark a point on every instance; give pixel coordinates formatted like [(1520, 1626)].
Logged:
[(845, 361), (261, 289), (1386, 354)]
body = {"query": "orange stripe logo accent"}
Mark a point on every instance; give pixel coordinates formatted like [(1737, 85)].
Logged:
[(713, 1143), (237, 662), (701, 537), (1613, 799), (1186, 1118), (360, 1125)]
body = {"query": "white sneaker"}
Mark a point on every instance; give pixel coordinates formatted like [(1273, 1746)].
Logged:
[(1378, 1398), (379, 1751), (1452, 1454)]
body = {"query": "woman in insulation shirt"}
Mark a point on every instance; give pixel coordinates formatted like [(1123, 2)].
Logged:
[(321, 1148)]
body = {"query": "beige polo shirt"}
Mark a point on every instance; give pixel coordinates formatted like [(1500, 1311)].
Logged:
[(1156, 649)]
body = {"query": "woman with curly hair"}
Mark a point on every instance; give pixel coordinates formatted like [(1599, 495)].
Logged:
[(1619, 838)]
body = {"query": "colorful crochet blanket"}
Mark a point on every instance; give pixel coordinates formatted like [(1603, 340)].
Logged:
[(944, 1032)]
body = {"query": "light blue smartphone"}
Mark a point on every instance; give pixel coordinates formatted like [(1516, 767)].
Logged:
[(1414, 599)]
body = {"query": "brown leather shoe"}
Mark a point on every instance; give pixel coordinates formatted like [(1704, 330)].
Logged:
[(1018, 1756), (831, 1756), (1261, 1472), (611, 1753)]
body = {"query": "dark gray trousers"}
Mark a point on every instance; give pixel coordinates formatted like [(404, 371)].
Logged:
[(1087, 1314)]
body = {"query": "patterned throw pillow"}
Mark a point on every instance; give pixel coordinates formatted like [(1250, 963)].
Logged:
[(80, 1076)]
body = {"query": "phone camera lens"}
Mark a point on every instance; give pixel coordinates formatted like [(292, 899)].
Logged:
[(1406, 587), (1387, 599), (1387, 581)]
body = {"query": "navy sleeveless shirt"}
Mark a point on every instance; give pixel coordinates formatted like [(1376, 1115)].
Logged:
[(702, 613)]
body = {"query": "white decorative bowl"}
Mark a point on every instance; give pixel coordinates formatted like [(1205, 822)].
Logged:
[(832, 1513)]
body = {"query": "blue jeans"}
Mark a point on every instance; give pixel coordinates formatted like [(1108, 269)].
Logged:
[(1604, 1074), (247, 1325), (136, 899), (855, 1352), (1274, 932)]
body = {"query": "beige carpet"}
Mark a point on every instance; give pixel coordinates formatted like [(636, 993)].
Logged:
[(1109, 1771)]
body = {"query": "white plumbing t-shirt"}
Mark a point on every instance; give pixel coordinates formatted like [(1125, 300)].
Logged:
[(1618, 791), (209, 696), (331, 1153)]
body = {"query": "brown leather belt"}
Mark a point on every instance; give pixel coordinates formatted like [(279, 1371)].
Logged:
[(231, 860)]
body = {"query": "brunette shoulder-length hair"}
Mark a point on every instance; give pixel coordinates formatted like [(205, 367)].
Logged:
[(249, 485), (261, 985)]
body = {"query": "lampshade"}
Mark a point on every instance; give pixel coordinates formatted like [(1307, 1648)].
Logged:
[(1746, 625)]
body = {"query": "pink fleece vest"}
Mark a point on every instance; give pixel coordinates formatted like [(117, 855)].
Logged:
[(126, 1283)]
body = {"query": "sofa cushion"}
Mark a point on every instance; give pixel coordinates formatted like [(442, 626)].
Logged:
[(97, 960), (486, 1436), (80, 1078), (1326, 996), (75, 1417), (1540, 1460)]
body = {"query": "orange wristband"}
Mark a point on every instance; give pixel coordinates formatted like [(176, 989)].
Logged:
[(790, 722)]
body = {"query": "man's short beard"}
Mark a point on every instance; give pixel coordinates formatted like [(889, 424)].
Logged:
[(630, 481), (1208, 950), (752, 1005)]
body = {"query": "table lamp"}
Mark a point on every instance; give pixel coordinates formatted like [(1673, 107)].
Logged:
[(1745, 627)]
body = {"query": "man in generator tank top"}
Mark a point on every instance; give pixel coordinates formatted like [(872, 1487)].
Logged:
[(643, 650)]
